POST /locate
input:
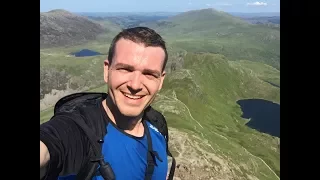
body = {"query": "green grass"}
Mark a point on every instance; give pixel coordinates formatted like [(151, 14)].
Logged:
[(260, 70), (46, 114)]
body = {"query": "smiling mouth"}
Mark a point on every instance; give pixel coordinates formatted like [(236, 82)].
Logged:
[(130, 96)]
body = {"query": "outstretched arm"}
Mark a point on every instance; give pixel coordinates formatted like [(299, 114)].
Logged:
[(44, 155), (63, 147)]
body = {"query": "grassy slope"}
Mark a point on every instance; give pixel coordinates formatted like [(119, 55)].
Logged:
[(260, 70), (202, 98)]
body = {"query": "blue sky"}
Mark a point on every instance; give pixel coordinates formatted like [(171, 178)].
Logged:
[(160, 5)]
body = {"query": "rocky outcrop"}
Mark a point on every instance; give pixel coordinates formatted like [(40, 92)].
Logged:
[(197, 159), (60, 28)]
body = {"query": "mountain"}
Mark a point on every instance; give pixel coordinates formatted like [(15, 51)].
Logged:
[(128, 21), (209, 30), (270, 21), (264, 20), (258, 14), (61, 28)]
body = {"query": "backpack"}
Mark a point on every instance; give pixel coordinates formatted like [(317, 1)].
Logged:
[(96, 132)]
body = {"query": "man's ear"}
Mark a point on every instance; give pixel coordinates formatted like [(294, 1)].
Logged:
[(106, 70), (163, 75)]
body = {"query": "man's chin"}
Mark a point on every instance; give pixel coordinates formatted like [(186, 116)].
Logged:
[(131, 111)]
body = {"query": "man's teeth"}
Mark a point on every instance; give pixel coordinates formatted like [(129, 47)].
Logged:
[(132, 96)]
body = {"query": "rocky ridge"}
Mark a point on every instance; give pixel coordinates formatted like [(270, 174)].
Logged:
[(61, 28)]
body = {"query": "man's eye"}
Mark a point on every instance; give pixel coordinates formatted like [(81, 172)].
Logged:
[(151, 76), (123, 69)]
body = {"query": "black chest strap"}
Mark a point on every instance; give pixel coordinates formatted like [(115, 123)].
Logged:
[(151, 161)]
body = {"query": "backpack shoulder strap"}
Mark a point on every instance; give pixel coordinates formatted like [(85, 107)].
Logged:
[(159, 121), (78, 107), (151, 162), (86, 171)]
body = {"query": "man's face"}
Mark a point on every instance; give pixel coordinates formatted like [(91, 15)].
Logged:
[(134, 76)]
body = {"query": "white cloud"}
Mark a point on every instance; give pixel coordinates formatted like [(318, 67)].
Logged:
[(208, 4), (257, 4)]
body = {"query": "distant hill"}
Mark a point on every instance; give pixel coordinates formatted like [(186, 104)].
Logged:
[(209, 30), (60, 28), (264, 20), (270, 21), (129, 20), (127, 14), (250, 15)]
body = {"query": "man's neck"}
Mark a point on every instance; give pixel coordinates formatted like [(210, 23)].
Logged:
[(131, 125)]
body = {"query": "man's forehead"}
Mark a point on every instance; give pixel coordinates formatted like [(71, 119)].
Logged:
[(139, 61), (126, 45)]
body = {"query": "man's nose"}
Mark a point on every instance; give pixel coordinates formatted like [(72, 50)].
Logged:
[(135, 81)]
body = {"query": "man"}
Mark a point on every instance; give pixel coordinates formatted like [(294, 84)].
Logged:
[(134, 73)]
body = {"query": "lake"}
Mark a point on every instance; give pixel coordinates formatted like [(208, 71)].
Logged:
[(86, 52), (264, 115)]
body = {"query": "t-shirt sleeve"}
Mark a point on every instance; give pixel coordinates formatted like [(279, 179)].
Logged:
[(67, 145)]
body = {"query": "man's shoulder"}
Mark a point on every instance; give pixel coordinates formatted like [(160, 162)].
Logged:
[(80, 103), (155, 133), (156, 122), (153, 128), (76, 101), (84, 109), (87, 108)]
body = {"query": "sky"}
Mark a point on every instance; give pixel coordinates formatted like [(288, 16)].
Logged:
[(160, 5)]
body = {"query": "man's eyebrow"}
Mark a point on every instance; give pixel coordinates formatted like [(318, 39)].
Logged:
[(122, 65), (129, 67)]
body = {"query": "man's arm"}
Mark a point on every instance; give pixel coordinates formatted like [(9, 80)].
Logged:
[(44, 155), (44, 159), (63, 147)]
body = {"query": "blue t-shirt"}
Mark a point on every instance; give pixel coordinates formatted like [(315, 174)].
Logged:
[(127, 154)]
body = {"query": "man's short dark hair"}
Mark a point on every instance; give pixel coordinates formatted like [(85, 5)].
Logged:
[(143, 35)]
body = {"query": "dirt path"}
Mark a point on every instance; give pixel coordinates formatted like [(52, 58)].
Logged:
[(194, 161), (262, 161)]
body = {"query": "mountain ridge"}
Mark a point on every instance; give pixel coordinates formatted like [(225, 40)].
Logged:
[(61, 28)]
